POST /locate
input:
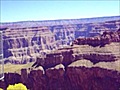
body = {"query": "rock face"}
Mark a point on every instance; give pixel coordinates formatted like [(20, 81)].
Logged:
[(66, 56), (24, 46), (10, 78), (80, 67), (94, 79), (106, 38), (71, 78), (25, 41)]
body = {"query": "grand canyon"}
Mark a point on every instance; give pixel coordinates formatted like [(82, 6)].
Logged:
[(69, 54)]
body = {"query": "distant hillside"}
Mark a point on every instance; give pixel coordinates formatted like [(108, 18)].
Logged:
[(23, 24)]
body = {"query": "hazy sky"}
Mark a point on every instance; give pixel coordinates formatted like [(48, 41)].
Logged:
[(22, 10)]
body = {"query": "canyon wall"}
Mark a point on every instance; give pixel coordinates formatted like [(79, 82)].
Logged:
[(106, 38), (23, 45), (70, 78), (25, 41), (96, 49), (77, 67)]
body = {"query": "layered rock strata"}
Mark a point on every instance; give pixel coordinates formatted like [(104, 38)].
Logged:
[(72, 78), (24, 45), (72, 68), (68, 55), (106, 38), (25, 41)]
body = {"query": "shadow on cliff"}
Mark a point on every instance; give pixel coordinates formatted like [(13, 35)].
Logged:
[(106, 38), (66, 56)]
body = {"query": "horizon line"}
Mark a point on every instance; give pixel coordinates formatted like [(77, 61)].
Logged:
[(56, 19)]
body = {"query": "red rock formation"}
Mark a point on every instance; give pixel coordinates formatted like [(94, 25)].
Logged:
[(24, 44), (71, 78), (55, 77), (2, 85), (106, 38), (36, 80), (60, 57), (66, 56), (95, 58), (94, 79), (10, 78), (24, 41), (24, 77)]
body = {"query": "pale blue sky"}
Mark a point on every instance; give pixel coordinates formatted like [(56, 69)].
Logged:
[(22, 10)]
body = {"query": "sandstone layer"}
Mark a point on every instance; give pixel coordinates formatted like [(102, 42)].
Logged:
[(25, 41), (90, 63), (71, 78), (68, 69)]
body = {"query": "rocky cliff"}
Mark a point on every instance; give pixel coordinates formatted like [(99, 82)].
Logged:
[(96, 49), (74, 77), (106, 38), (25, 41), (80, 67), (24, 44), (69, 55)]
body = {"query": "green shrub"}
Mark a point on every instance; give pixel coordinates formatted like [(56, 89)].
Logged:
[(18, 86)]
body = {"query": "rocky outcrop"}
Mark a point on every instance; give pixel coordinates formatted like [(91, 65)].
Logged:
[(68, 55), (25, 41), (26, 45), (94, 79), (71, 78), (77, 67), (106, 38), (72, 68), (10, 78)]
